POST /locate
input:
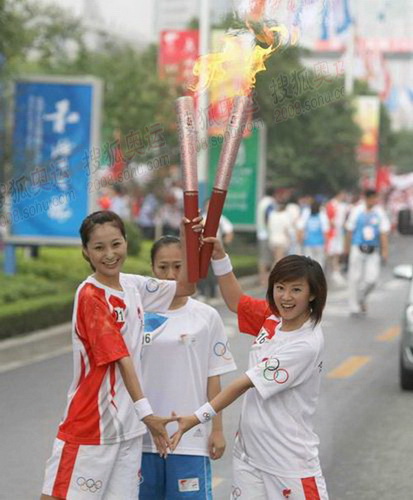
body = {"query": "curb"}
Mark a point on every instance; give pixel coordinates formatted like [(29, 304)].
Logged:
[(56, 340)]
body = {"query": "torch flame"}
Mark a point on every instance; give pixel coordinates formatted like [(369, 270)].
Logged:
[(236, 66)]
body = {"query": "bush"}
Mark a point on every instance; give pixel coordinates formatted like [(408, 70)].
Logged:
[(134, 236), (18, 287), (34, 314)]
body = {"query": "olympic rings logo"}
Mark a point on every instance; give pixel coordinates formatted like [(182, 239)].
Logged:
[(222, 350), (89, 484), (207, 416), (273, 372), (152, 285), (236, 492)]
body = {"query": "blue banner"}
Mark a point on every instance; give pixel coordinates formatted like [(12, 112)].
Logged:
[(51, 143)]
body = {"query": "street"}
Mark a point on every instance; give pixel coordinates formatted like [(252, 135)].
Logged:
[(363, 419)]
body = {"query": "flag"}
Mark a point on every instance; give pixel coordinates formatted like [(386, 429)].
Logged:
[(336, 18)]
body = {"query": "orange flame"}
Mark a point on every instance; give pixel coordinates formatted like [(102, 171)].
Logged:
[(233, 71)]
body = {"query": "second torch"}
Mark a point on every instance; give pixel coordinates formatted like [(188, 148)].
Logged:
[(187, 138), (232, 139)]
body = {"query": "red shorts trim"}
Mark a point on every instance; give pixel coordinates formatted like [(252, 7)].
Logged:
[(310, 488), (65, 470)]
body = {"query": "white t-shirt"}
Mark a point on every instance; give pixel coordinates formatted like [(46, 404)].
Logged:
[(181, 349), (263, 205), (276, 432), (107, 326), (279, 226)]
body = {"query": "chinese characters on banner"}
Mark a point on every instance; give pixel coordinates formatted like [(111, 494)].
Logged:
[(56, 122), (178, 51)]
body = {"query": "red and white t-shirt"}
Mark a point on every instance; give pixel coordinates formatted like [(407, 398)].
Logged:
[(107, 326), (276, 431)]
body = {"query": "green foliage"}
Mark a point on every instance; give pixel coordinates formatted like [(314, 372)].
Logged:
[(401, 154), (15, 288), (33, 314), (134, 239), (311, 133)]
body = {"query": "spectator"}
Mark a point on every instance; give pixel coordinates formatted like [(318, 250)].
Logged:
[(265, 259), (312, 232), (336, 210), (120, 202), (279, 236), (367, 240), (147, 214)]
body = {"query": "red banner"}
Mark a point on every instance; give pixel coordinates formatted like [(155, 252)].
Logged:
[(178, 51)]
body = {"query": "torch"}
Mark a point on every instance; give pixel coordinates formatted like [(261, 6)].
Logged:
[(232, 140), (187, 138)]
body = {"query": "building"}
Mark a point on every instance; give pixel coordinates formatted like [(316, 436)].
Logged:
[(176, 14)]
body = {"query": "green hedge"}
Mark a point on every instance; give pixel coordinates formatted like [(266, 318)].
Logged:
[(34, 314), (18, 287), (41, 294)]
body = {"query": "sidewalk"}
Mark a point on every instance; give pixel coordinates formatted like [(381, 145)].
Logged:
[(55, 341)]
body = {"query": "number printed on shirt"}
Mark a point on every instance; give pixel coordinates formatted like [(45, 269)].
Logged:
[(262, 337), (147, 339), (120, 315)]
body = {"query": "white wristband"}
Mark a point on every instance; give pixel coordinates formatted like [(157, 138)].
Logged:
[(142, 408), (221, 266), (205, 413)]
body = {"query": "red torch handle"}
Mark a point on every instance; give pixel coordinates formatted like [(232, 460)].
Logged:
[(216, 204), (192, 239)]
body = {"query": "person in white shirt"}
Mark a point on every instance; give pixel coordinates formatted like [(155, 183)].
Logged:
[(336, 210), (276, 450), (279, 231), (185, 350), (265, 259), (367, 244)]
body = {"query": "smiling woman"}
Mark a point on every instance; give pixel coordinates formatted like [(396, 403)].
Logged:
[(281, 385), (100, 435)]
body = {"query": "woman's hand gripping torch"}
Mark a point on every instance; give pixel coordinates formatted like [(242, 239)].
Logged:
[(232, 140), (187, 138)]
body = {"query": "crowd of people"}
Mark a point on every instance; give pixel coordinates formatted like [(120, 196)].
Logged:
[(345, 234)]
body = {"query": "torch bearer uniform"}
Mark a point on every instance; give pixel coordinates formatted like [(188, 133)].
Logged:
[(182, 349), (97, 451), (276, 449)]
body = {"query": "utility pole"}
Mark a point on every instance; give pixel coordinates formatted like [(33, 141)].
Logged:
[(203, 101), (351, 53)]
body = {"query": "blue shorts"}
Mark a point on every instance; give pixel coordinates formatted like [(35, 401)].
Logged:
[(178, 476)]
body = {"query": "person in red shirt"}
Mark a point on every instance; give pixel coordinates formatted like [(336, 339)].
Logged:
[(276, 449), (98, 448)]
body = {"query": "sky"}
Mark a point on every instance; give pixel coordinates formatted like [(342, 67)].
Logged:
[(134, 18)]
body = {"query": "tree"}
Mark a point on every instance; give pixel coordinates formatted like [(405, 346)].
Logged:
[(311, 133), (401, 154)]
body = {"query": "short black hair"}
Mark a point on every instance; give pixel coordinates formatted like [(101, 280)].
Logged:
[(298, 266), (166, 240), (369, 193)]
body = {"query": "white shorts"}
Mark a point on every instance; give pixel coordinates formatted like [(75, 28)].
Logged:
[(335, 244), (250, 483), (86, 472)]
